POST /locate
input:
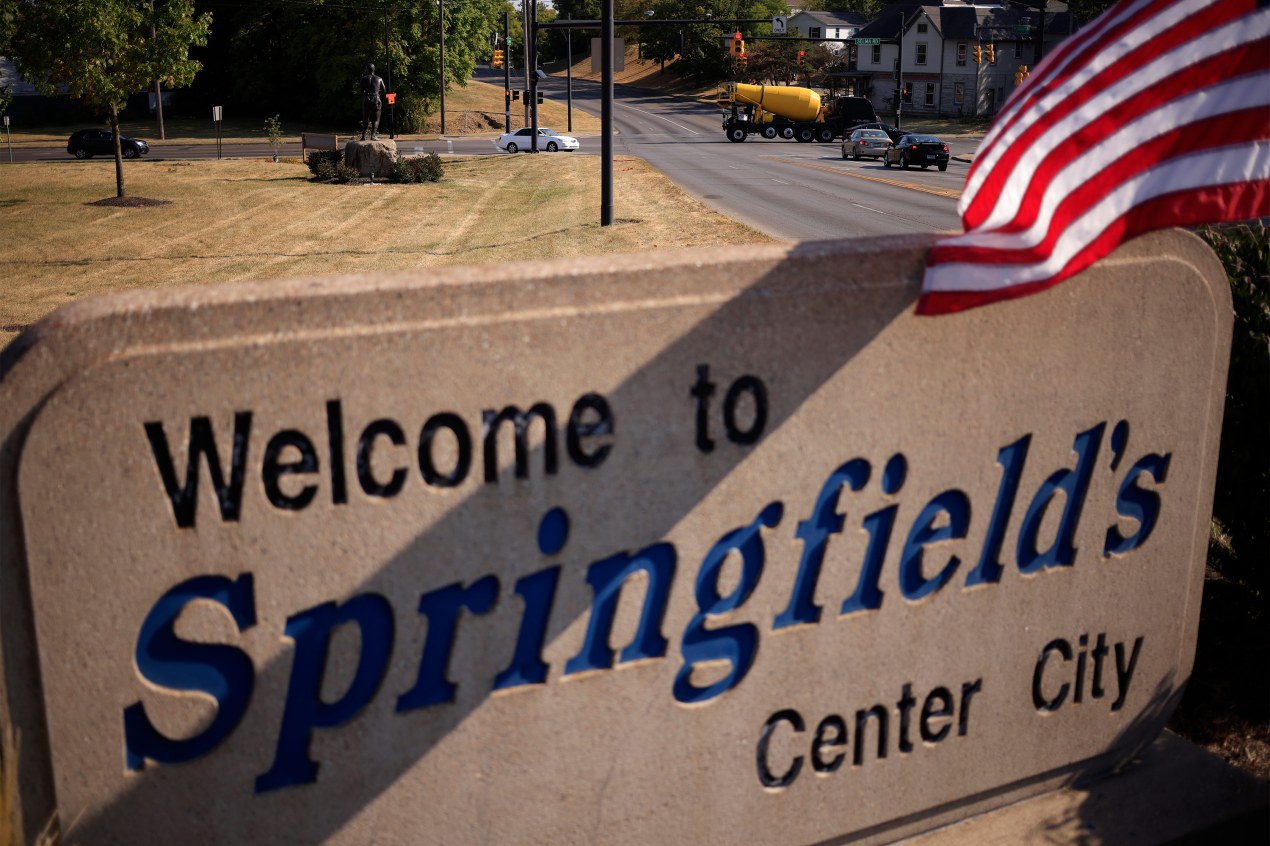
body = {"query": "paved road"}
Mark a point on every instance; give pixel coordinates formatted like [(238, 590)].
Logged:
[(784, 188)]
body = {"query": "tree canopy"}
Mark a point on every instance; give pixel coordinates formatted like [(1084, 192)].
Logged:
[(103, 51)]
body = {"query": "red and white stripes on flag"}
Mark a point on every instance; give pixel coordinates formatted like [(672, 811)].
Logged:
[(1155, 115)]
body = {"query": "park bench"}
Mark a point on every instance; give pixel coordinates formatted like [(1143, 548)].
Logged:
[(316, 141)]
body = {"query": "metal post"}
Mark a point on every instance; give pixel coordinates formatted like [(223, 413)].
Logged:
[(533, 74), (568, 72), (9, 138), (392, 124), (606, 113), (524, 34), (899, 91), (507, 71), (441, 6)]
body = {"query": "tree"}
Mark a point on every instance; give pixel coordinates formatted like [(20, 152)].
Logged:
[(104, 50)]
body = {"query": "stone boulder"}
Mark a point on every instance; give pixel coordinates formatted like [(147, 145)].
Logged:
[(371, 157)]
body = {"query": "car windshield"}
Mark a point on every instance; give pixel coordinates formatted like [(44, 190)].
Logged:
[(873, 133), (543, 130)]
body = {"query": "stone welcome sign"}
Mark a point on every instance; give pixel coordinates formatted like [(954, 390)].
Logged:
[(720, 546)]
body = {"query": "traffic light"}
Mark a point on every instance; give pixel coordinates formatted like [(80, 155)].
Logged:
[(516, 94), (1020, 74), (743, 60), (738, 45), (802, 56), (539, 93), (978, 54), (992, 54), (498, 59)]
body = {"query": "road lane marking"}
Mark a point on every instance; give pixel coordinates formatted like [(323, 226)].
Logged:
[(868, 208), (939, 192), (659, 117)]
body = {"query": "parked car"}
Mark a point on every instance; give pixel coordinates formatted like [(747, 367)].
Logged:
[(548, 140), (917, 150), (869, 143), (100, 142), (894, 133)]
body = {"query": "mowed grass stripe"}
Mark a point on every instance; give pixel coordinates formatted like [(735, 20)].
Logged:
[(239, 219)]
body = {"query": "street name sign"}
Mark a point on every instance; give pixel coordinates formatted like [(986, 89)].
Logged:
[(868, 42), (713, 546)]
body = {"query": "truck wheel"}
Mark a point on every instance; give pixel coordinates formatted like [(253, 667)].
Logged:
[(806, 135), (825, 135), (787, 132), (769, 132), (736, 134)]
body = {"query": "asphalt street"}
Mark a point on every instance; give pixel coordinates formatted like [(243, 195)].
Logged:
[(783, 188)]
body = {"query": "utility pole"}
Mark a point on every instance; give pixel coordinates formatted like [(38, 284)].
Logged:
[(606, 113), (568, 72), (441, 7), (392, 125), (533, 74), (158, 83)]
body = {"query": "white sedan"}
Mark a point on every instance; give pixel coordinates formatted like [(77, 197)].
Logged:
[(548, 140)]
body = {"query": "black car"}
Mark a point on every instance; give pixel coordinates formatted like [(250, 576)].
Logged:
[(894, 133), (100, 142), (917, 151)]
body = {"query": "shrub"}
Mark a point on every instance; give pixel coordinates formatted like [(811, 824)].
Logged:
[(1243, 474), (319, 158), (335, 171), (420, 169)]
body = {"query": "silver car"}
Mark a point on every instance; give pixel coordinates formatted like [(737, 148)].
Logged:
[(866, 143), (548, 140)]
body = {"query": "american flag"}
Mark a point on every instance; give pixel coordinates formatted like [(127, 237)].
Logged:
[(1155, 115)]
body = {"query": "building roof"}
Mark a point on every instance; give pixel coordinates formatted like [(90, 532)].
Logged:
[(838, 19)]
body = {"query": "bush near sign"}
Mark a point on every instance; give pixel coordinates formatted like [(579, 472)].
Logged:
[(713, 546)]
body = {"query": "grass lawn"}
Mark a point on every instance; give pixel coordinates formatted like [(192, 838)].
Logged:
[(233, 220)]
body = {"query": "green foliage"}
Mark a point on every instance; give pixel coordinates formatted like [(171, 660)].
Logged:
[(273, 127), (311, 55), (319, 159), (418, 169), (104, 50), (1241, 503), (333, 169)]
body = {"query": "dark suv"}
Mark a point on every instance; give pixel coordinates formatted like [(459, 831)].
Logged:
[(100, 142)]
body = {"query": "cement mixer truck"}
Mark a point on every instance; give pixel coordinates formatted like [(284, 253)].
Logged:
[(786, 111)]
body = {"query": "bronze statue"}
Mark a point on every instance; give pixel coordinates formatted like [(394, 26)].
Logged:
[(372, 89)]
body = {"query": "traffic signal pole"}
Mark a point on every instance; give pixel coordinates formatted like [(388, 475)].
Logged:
[(507, 71)]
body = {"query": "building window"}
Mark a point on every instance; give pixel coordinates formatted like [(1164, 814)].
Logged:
[(814, 32), (961, 54), (959, 93), (921, 52), (921, 27), (877, 54), (930, 93)]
